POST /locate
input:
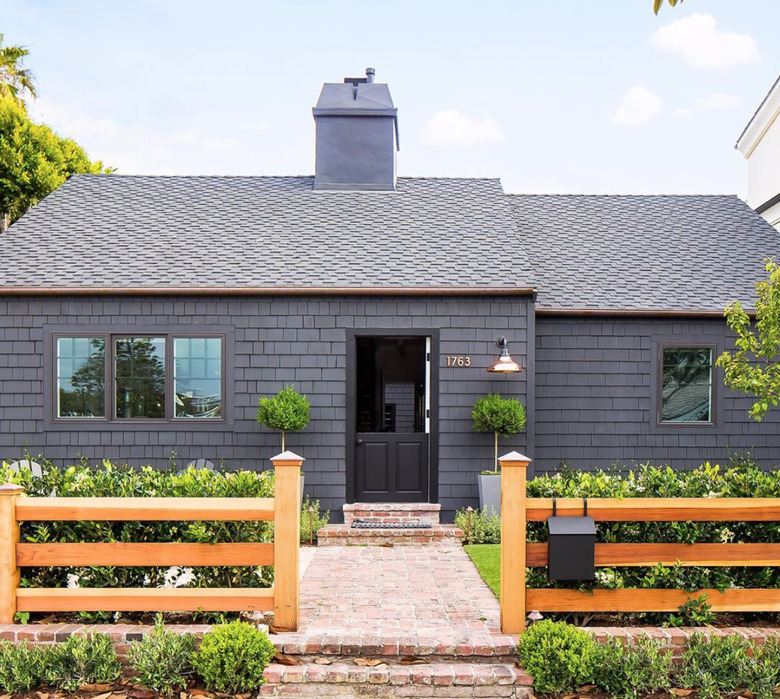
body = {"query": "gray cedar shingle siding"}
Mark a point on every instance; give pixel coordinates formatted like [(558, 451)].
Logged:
[(299, 340), (595, 405)]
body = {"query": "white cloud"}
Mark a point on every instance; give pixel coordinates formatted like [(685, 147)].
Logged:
[(131, 148), (450, 126), (683, 111), (702, 45), (638, 107)]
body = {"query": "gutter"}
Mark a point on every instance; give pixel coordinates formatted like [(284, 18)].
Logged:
[(633, 312), (271, 291)]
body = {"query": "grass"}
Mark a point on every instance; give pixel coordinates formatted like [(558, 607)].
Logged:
[(487, 559)]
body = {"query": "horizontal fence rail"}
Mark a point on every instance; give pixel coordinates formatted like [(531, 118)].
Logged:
[(517, 553), (283, 553)]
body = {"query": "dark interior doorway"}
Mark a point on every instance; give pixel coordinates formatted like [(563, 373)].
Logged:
[(392, 419)]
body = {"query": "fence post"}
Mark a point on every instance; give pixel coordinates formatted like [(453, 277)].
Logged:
[(513, 546), (287, 539), (9, 537)]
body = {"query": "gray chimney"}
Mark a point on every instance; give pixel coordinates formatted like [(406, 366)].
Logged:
[(357, 136)]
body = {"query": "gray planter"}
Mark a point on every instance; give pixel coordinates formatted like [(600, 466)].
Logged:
[(490, 492), (303, 481)]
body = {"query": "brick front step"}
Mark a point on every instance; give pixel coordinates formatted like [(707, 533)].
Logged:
[(442, 645), (392, 679), (393, 513), (344, 535)]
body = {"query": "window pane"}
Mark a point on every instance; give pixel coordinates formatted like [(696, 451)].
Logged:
[(140, 377), (81, 372), (687, 384), (197, 377)]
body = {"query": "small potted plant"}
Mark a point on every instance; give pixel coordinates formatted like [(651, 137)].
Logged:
[(503, 417), (287, 411)]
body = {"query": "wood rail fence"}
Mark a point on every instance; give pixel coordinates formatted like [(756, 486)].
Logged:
[(516, 554), (282, 509)]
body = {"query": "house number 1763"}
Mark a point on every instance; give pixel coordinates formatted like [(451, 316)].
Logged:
[(458, 361)]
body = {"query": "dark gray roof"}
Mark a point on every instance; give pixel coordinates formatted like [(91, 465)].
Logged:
[(135, 231), (688, 253)]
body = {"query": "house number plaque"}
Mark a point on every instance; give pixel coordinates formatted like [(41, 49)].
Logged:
[(459, 360)]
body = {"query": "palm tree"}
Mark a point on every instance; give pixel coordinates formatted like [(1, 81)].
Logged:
[(14, 77)]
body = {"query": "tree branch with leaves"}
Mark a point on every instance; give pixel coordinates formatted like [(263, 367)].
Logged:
[(754, 365)]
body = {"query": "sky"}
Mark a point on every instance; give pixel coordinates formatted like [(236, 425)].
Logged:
[(556, 96)]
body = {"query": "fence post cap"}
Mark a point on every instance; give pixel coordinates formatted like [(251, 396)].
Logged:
[(513, 457), (287, 457), (11, 489)]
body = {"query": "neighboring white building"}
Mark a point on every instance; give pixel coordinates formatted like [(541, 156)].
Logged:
[(760, 144)]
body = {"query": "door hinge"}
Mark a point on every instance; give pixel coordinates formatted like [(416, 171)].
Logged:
[(427, 413), (427, 356)]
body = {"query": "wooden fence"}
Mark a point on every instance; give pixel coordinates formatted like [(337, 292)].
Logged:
[(516, 553), (283, 509)]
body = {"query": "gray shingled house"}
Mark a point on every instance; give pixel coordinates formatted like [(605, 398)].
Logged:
[(141, 316)]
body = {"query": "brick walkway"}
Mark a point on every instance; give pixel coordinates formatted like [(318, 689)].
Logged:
[(412, 600)]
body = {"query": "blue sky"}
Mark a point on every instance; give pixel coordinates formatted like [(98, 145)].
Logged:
[(558, 96)]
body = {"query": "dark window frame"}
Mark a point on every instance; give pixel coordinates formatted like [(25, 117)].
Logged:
[(659, 346), (169, 422)]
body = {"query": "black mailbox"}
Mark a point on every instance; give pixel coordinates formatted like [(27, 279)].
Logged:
[(571, 546)]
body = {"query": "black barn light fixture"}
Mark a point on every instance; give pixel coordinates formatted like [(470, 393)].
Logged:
[(504, 364)]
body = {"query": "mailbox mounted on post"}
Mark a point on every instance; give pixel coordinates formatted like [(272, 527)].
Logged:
[(571, 546)]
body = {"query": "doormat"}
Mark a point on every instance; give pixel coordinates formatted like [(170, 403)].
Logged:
[(367, 524)]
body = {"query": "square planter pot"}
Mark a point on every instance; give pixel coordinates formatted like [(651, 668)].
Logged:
[(490, 492), (303, 481)]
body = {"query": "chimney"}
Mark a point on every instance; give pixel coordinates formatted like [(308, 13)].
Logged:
[(357, 136)]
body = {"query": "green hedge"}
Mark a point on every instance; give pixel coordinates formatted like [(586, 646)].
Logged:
[(111, 480), (742, 479)]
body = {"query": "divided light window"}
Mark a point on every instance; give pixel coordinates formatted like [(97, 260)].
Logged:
[(686, 384), (139, 377)]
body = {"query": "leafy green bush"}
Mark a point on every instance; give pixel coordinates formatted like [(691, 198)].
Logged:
[(318, 519), (287, 411), (629, 670), (232, 657), (501, 416), (720, 665), (22, 667), (559, 656), (107, 479), (485, 526), (163, 659), (82, 660)]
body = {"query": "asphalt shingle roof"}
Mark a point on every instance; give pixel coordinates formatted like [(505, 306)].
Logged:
[(686, 253), (136, 231), (689, 253)]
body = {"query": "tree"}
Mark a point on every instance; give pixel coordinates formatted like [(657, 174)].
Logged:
[(34, 161), (754, 366), (657, 4), (15, 79), (501, 416), (287, 411)]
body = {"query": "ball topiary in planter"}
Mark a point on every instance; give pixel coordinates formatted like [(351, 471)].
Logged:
[(287, 411), (503, 417)]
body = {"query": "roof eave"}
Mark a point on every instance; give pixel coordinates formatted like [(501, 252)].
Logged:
[(271, 291)]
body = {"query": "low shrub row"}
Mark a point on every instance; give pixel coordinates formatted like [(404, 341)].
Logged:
[(230, 659), (563, 658), (113, 480)]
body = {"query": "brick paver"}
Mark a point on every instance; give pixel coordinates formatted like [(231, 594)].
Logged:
[(421, 600)]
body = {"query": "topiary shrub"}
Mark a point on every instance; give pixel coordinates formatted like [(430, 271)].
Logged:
[(82, 660), (501, 416), (163, 659), (287, 411), (22, 667), (628, 670), (232, 657), (559, 656)]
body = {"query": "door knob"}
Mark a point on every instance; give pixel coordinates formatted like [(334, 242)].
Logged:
[(359, 442)]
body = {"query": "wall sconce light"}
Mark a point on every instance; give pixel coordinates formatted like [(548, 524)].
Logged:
[(504, 364)]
